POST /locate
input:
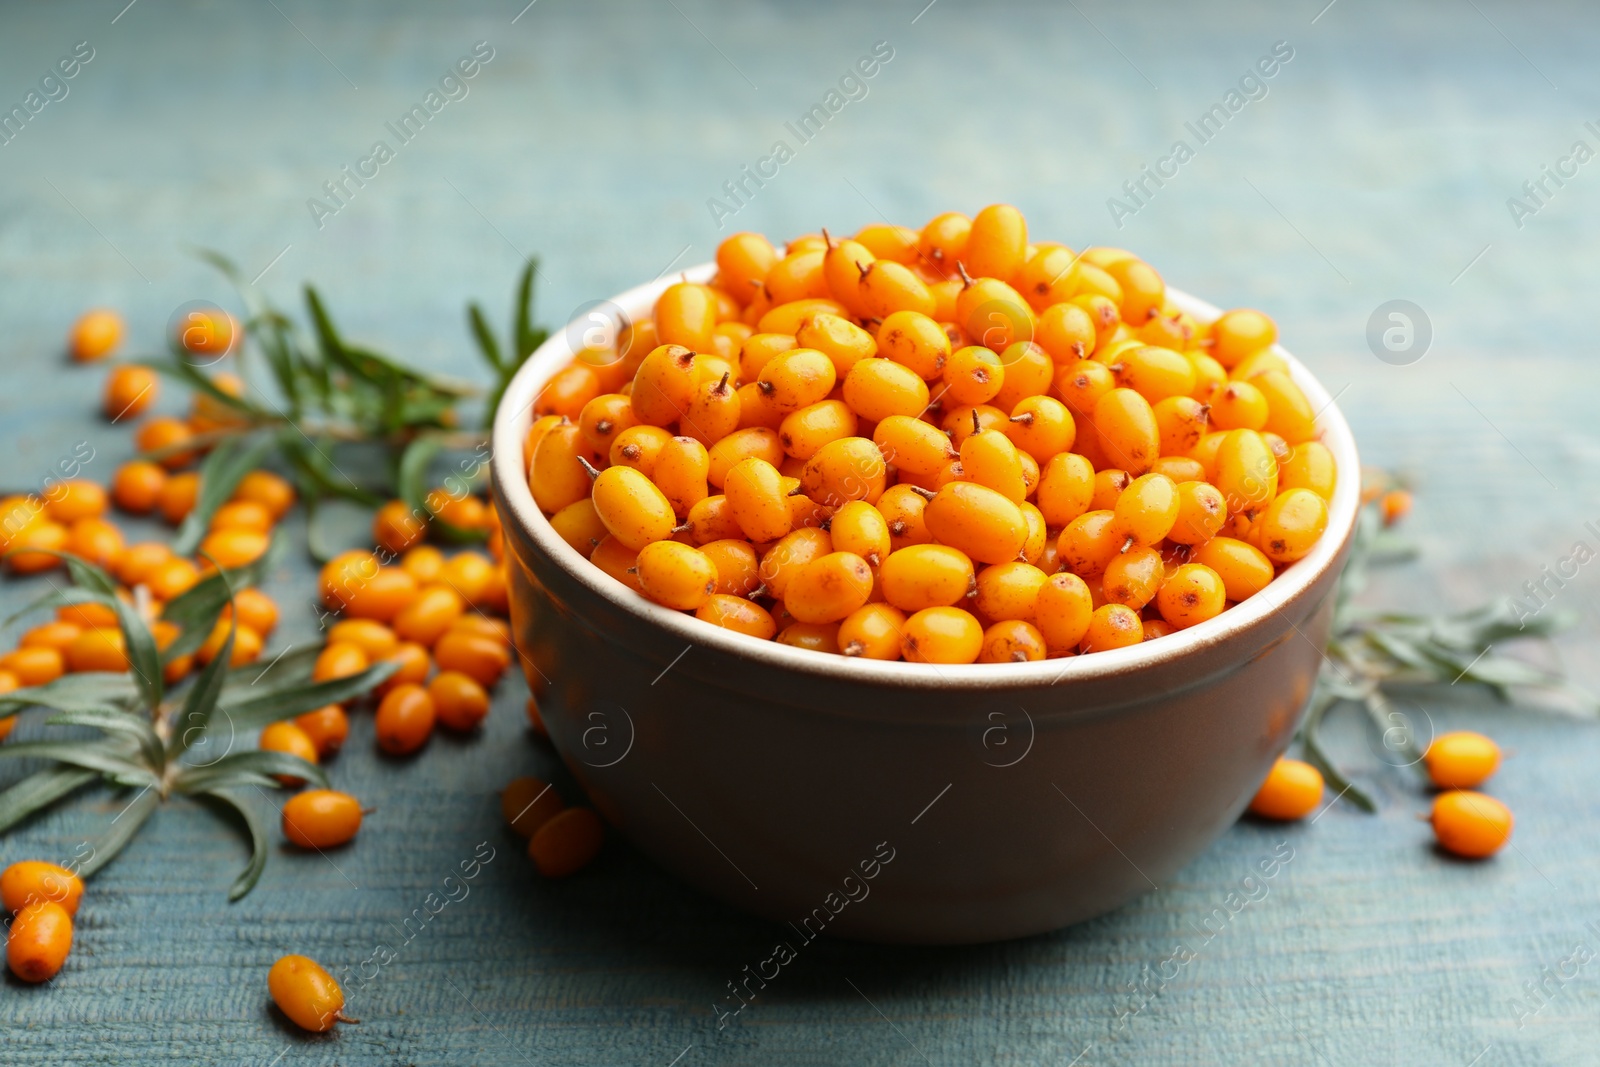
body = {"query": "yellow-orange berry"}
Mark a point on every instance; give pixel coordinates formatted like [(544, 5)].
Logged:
[(942, 635), (1470, 824), (1293, 790), (567, 842), (95, 335), (404, 720), (34, 881), (1461, 760), (307, 994), (40, 938), (321, 818), (676, 575)]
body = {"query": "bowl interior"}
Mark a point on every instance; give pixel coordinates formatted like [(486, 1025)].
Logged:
[(515, 415)]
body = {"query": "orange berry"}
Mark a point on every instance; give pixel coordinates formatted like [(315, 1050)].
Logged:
[(165, 436), (482, 658), (57, 635), (872, 631), (67, 502), (288, 738), (396, 527), (269, 490), (95, 335), (229, 549), (208, 332), (1395, 504), (404, 720), (1012, 641), (30, 882), (459, 700), (95, 540), (382, 597), (44, 535), (984, 524), (1193, 594), (942, 635), (321, 818), (177, 495), (373, 638), (327, 727), (829, 588), (136, 486), (413, 667), (339, 660), (40, 938), (1461, 760), (1293, 790), (1470, 824), (1112, 626), (738, 614), (306, 993), (567, 842), (172, 579), (97, 650), (242, 515), (528, 803), (34, 666), (676, 575), (1062, 610)]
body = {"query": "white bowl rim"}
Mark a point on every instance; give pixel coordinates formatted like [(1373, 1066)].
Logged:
[(514, 417)]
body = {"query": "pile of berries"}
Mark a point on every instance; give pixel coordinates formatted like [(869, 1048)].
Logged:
[(947, 446)]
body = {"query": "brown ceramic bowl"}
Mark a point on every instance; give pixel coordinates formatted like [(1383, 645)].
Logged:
[(896, 801)]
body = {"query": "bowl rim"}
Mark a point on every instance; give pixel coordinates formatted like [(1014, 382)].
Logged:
[(514, 417)]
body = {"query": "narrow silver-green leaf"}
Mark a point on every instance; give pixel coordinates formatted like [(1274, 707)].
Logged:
[(201, 700), (258, 842), (485, 338), (256, 761), (101, 756), (75, 692), (124, 724), (254, 712), (220, 475), (121, 831), (40, 790), (144, 659)]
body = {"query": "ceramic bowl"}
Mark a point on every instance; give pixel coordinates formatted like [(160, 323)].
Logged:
[(903, 802)]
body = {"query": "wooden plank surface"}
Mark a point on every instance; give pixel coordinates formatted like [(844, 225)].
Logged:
[(1376, 167)]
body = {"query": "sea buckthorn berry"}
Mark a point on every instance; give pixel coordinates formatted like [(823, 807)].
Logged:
[(1012, 641), (926, 576), (95, 540), (981, 522), (913, 446), (1108, 488), (1062, 610), (797, 276), (67, 502), (1008, 591), (528, 803), (1181, 421), (715, 411), (755, 442), (1088, 543), (1112, 626), (47, 537), (788, 318), (497, 630), (136, 486), (288, 738), (811, 636), (1247, 472), (797, 378), (579, 525), (57, 635), (34, 666), (1241, 333), (327, 726), (903, 510), (1179, 468), (1244, 569), (567, 391), (339, 659), (1067, 332), (990, 459), (789, 555), (1293, 790), (430, 615), (958, 421), (242, 515), (1132, 578), (307, 994), (1066, 487), (457, 508), (757, 500), (482, 658), (459, 699), (1033, 546), (177, 495), (739, 615), (1290, 415), (603, 418), (97, 650), (1147, 510), (686, 314), (1143, 291), (633, 509), (234, 548), (1292, 524), (1310, 466), (95, 335), (664, 386), (34, 881), (941, 635), (850, 468), (829, 588), (839, 339), (638, 447), (888, 287), (1154, 373), (404, 720), (1205, 453), (321, 818), (567, 842), (172, 578), (843, 264), (383, 596), (267, 489), (1201, 513), (1470, 824), (1395, 505), (424, 563), (680, 474), (617, 560), (1458, 760), (736, 564), (1128, 430), (1237, 406), (1080, 385), (1047, 278), (163, 434), (872, 631), (712, 519), (860, 528), (412, 665), (1193, 594), (129, 392), (743, 260), (887, 241), (997, 243), (914, 341), (40, 938), (1042, 427), (557, 476), (805, 431), (944, 239), (972, 375), (676, 575), (758, 349)]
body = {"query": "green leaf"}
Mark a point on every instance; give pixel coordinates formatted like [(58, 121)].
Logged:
[(58, 598), (201, 700), (412, 476), (183, 371), (106, 757), (311, 462), (121, 831), (220, 475), (254, 712), (485, 338), (1317, 756), (90, 690), (525, 335), (38, 791), (143, 657), (256, 761), (258, 841), (122, 723), (291, 667)]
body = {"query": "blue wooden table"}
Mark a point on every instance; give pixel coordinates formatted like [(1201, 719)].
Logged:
[(1374, 164)]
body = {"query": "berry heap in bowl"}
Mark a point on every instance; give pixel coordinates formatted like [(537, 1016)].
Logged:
[(951, 445)]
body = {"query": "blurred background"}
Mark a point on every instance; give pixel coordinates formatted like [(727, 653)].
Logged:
[(1396, 153)]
